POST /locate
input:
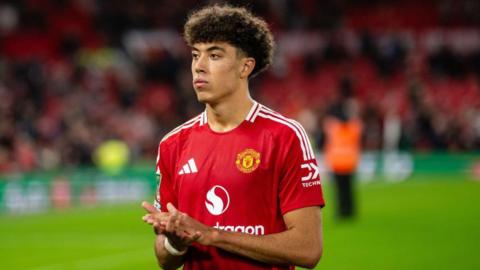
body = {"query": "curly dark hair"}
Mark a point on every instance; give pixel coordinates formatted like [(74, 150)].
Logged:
[(236, 26)]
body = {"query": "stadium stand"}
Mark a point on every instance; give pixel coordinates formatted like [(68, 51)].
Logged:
[(76, 73)]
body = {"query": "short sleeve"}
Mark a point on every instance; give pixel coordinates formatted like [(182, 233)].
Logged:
[(299, 184), (165, 185)]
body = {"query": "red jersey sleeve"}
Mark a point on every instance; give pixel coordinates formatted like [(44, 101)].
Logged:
[(165, 186), (299, 184)]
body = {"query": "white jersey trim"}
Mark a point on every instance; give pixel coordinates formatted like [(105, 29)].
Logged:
[(299, 126), (188, 124), (203, 121), (307, 149), (252, 111), (157, 170)]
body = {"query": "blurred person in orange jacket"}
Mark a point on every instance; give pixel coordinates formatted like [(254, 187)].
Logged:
[(343, 130)]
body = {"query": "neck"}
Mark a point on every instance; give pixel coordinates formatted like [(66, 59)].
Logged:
[(230, 113)]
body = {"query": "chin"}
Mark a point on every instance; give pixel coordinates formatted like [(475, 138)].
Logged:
[(202, 98), (205, 96)]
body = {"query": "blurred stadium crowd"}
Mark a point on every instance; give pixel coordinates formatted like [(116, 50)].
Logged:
[(76, 73)]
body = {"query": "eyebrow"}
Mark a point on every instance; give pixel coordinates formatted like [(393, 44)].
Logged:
[(212, 48)]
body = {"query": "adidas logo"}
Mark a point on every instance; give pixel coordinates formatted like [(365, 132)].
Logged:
[(189, 167)]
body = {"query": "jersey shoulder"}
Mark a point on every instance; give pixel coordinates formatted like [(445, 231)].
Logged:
[(284, 129), (175, 135), (277, 123)]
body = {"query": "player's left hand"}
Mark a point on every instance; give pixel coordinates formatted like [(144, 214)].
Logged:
[(180, 224)]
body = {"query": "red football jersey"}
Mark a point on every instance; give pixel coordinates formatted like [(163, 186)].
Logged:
[(242, 180)]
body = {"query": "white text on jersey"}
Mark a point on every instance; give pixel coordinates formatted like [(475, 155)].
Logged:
[(250, 229)]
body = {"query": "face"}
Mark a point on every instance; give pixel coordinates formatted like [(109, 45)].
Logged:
[(218, 70)]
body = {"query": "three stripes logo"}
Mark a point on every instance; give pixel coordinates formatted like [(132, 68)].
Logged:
[(189, 167)]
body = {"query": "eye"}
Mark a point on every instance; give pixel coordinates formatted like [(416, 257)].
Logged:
[(214, 56), (194, 55)]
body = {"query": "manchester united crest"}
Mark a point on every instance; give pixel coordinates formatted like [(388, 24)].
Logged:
[(248, 160)]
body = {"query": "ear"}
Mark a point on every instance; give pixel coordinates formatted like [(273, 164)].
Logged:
[(247, 67)]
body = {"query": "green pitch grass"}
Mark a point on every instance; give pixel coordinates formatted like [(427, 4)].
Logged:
[(417, 224)]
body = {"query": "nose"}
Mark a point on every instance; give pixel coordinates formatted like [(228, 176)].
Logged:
[(199, 65)]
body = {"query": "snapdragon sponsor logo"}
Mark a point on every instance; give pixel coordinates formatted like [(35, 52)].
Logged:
[(250, 229), (217, 200)]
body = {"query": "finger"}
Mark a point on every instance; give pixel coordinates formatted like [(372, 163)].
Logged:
[(170, 224), (150, 221), (161, 216), (161, 227), (182, 222), (190, 238), (148, 218), (150, 208), (158, 217), (178, 227), (171, 208), (196, 236), (174, 221)]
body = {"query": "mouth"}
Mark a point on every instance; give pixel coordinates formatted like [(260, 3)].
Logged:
[(199, 83)]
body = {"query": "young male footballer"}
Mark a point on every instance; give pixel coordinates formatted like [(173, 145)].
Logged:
[(239, 186)]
